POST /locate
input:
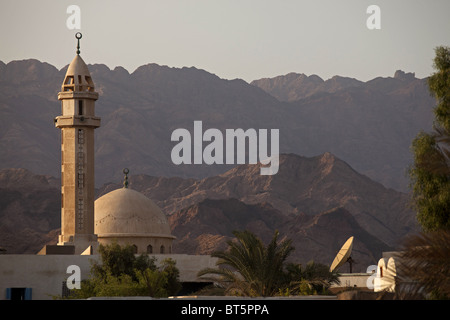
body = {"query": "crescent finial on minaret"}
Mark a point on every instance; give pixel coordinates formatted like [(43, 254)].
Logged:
[(78, 35)]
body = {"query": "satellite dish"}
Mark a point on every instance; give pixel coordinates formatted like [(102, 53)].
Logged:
[(343, 255)]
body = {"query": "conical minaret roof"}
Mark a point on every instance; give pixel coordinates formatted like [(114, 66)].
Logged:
[(77, 76)]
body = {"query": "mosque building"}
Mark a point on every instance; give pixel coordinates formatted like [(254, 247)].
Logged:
[(123, 216)]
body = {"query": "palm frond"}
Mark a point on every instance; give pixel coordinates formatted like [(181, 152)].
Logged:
[(249, 266), (425, 262)]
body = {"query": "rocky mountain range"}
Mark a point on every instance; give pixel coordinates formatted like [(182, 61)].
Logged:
[(30, 210), (317, 202), (295, 86), (303, 185), (370, 125)]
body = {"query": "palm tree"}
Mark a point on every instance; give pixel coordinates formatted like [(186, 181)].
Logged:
[(248, 268), (314, 278), (424, 266)]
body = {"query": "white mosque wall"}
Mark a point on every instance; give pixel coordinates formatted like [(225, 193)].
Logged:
[(45, 275)]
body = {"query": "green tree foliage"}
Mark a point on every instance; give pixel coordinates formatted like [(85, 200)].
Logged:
[(249, 268), (424, 259), (430, 173), (122, 273), (431, 183), (117, 260), (439, 84), (173, 284)]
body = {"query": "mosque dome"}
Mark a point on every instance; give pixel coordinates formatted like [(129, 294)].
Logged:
[(127, 216)]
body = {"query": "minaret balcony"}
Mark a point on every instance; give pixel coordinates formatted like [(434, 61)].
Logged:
[(77, 121), (77, 95)]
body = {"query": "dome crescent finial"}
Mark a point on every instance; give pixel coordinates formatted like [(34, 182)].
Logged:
[(125, 182)]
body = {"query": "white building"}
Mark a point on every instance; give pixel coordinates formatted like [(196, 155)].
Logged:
[(386, 276)]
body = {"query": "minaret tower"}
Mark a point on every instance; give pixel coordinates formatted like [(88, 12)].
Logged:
[(77, 124)]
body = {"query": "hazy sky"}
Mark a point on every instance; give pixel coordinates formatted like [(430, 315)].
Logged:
[(247, 39)]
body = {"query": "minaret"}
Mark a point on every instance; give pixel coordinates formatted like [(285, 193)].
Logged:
[(77, 124)]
